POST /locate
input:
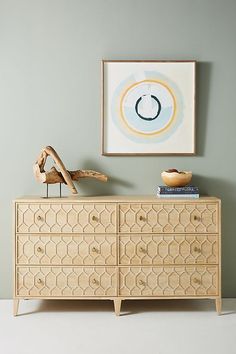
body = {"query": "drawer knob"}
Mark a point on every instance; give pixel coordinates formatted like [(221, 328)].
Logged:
[(141, 282), (39, 217), (196, 218), (39, 249), (197, 249), (94, 281), (142, 218), (94, 218), (95, 250), (39, 281), (143, 250), (197, 281)]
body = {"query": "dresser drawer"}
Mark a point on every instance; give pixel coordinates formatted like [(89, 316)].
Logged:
[(66, 249), (66, 281), (169, 281), (170, 249), (168, 218), (68, 218)]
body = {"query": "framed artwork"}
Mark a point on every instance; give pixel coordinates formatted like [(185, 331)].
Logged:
[(148, 107)]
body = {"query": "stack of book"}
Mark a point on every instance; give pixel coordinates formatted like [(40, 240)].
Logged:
[(178, 192)]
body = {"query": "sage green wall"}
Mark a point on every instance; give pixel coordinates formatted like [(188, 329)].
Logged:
[(50, 52)]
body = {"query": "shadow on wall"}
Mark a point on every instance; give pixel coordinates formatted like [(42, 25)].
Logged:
[(203, 75), (226, 191), (93, 187)]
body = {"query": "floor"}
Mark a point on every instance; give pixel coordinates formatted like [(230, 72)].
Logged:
[(90, 327)]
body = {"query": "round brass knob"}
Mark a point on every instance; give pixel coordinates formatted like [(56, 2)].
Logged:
[(196, 217), (142, 218), (39, 281), (197, 249), (197, 281), (94, 249), (39, 217), (141, 282), (94, 218), (143, 250), (94, 281), (39, 249)]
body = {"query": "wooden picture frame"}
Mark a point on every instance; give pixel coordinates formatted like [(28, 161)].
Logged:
[(148, 107)]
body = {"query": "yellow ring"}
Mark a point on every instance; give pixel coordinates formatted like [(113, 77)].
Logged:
[(134, 130)]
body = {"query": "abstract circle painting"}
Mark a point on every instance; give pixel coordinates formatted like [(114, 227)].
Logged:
[(148, 107)]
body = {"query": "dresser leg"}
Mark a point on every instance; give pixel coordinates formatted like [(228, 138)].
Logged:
[(117, 306), (15, 306), (218, 305)]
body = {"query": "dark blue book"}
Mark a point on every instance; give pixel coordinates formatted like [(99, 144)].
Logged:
[(177, 190)]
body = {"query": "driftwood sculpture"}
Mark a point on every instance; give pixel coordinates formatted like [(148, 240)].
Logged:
[(63, 176)]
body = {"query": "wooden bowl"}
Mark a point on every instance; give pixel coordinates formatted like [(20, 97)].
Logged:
[(176, 179)]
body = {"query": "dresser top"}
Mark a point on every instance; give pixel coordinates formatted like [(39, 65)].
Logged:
[(115, 198)]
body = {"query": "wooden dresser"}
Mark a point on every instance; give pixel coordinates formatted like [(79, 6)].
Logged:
[(117, 248)]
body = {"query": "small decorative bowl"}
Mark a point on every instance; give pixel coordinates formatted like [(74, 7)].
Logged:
[(176, 178)]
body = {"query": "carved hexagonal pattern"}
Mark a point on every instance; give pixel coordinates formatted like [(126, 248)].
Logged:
[(66, 249), (66, 281), (69, 248), (168, 249), (168, 218), (68, 218), (168, 281)]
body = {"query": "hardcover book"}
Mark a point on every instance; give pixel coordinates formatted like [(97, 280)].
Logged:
[(176, 196), (177, 190)]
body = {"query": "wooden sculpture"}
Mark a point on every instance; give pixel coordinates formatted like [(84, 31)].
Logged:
[(63, 176)]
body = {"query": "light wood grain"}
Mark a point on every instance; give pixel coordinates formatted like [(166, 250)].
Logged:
[(59, 249), (15, 306), (63, 176), (218, 305), (50, 177), (66, 281), (168, 217), (148, 199), (142, 249), (169, 281), (117, 247), (117, 306), (66, 218)]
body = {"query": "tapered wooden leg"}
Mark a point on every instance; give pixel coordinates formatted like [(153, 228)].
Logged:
[(15, 306), (218, 305), (117, 306)]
